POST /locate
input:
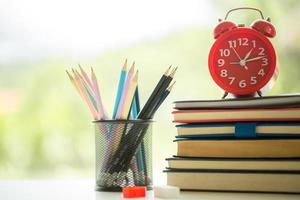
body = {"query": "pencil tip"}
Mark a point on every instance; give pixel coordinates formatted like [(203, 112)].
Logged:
[(132, 67), (168, 71), (70, 76), (93, 73), (171, 86), (124, 68), (135, 78), (80, 68), (77, 73), (173, 72)]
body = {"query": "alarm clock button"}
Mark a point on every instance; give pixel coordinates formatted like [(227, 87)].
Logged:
[(264, 27), (223, 27)]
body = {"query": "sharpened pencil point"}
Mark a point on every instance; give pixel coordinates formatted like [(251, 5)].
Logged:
[(81, 69), (124, 68), (132, 68), (173, 72), (171, 86), (168, 71), (70, 76), (77, 74), (93, 73), (135, 78)]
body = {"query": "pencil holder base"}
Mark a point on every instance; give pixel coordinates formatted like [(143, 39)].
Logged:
[(116, 189)]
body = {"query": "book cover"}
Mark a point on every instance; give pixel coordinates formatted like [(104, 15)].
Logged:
[(235, 181), (288, 100), (247, 164), (239, 130), (237, 115), (237, 148)]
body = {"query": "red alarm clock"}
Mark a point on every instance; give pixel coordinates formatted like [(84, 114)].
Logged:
[(242, 60)]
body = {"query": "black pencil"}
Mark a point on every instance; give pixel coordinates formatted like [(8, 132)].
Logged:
[(150, 111), (165, 95), (153, 94)]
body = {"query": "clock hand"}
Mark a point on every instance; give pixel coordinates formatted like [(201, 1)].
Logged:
[(236, 53), (248, 54), (239, 63), (256, 58)]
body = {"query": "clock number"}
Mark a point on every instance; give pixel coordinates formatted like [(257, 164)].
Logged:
[(242, 84), (254, 43), (265, 61), (253, 80), (261, 72), (232, 43), (261, 51), (231, 80), (221, 62), (243, 41), (240, 41), (224, 52), (223, 73)]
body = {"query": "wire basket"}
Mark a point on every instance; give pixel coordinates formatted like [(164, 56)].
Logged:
[(123, 154)]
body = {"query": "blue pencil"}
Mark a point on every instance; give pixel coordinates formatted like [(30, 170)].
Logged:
[(135, 109), (139, 153), (120, 88)]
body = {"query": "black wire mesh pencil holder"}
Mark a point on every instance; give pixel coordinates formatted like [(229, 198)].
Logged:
[(123, 154)]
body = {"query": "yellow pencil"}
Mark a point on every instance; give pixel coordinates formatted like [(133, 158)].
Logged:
[(74, 83), (129, 96), (79, 83)]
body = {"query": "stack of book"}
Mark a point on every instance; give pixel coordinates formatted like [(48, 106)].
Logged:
[(248, 144)]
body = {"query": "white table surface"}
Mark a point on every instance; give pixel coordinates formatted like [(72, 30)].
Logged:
[(84, 190)]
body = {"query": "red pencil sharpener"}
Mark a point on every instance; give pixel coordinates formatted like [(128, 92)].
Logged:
[(134, 192)]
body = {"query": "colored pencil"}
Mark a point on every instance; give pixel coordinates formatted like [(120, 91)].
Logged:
[(101, 111), (129, 97), (86, 79), (134, 112), (120, 88), (89, 92), (85, 95), (140, 153), (74, 83), (125, 92)]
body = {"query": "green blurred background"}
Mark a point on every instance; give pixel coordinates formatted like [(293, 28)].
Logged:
[(46, 129)]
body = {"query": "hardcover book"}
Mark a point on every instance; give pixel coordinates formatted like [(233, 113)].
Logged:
[(260, 181), (237, 115), (239, 130), (289, 100), (247, 164), (247, 148)]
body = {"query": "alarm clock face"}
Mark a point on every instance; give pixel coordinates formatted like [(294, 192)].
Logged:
[(242, 61)]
